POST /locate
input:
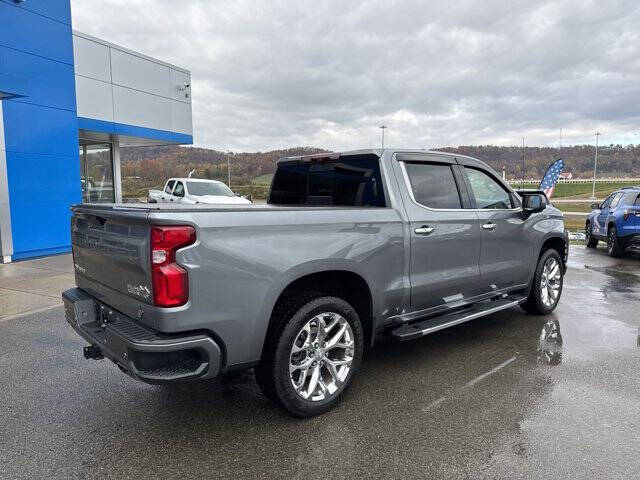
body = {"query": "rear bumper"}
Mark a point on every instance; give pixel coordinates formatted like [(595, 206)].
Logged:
[(140, 351)]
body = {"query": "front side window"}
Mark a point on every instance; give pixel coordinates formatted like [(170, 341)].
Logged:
[(616, 200), (607, 201), (433, 185), (489, 194), (179, 190), (169, 186), (353, 181), (637, 202)]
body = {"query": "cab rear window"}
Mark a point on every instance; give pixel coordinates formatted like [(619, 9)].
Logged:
[(352, 181)]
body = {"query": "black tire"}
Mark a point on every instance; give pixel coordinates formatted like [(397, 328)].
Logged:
[(592, 242), (615, 248), (534, 303), (272, 374)]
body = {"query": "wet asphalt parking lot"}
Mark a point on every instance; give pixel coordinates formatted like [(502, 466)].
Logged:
[(488, 399)]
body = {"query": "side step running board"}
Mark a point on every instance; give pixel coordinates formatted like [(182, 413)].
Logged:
[(430, 325)]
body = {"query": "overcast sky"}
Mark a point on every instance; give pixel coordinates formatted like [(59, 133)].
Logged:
[(271, 74)]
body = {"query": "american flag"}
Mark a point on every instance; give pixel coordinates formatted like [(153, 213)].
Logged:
[(550, 178)]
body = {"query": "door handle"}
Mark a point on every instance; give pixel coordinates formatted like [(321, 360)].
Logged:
[(171, 199), (424, 230), (489, 226)]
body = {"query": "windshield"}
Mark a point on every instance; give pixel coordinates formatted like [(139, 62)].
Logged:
[(206, 188)]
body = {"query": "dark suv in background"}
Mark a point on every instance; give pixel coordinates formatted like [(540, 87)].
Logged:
[(617, 221)]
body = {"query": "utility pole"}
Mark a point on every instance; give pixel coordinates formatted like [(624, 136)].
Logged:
[(383, 128), (228, 170), (522, 163), (595, 166), (560, 145)]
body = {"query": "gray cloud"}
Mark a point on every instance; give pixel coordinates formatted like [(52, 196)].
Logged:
[(276, 74)]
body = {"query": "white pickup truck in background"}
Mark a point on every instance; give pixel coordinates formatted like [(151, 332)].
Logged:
[(196, 190)]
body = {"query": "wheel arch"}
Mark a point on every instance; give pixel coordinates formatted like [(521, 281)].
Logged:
[(347, 284), (558, 243)]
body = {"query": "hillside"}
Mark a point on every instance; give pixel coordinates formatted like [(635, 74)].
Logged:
[(149, 167)]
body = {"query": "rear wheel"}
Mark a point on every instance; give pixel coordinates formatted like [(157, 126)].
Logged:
[(313, 353), (547, 284), (592, 242), (614, 245)]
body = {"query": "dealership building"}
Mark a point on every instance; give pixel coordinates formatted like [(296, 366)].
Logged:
[(68, 102)]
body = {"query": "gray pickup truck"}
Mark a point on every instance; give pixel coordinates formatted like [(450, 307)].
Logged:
[(351, 246)]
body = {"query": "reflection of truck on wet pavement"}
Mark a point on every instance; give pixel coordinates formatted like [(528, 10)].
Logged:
[(351, 246), (193, 191)]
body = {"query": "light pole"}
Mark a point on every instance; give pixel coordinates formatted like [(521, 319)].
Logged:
[(228, 171), (595, 166), (383, 128)]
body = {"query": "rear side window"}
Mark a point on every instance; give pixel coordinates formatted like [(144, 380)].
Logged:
[(488, 192), (433, 185), (169, 186), (353, 181)]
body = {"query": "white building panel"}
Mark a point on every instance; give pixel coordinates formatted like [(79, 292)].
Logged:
[(138, 73), (94, 99), (181, 86), (91, 59), (181, 117), (119, 85), (133, 107)]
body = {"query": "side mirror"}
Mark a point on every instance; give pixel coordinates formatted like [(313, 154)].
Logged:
[(595, 206), (533, 203)]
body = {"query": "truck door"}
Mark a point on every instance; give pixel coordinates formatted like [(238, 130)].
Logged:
[(445, 237), (507, 248), (167, 192)]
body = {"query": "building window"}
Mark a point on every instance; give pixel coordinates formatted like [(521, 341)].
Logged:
[(96, 173)]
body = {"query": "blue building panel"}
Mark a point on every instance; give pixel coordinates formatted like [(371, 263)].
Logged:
[(51, 77), (40, 228), (115, 128), (35, 177), (37, 129), (34, 33), (59, 10), (38, 95)]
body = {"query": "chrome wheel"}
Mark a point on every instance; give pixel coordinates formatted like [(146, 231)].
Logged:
[(321, 356), (550, 282)]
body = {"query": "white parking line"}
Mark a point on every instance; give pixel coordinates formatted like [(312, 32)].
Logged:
[(29, 312), (490, 372), (469, 384)]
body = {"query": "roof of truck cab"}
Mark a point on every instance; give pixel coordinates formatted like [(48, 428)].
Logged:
[(380, 152), (186, 179)]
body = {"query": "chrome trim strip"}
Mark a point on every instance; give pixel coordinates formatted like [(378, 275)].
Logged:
[(410, 190)]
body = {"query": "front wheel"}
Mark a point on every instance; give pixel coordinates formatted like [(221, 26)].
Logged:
[(311, 356), (614, 245), (547, 284)]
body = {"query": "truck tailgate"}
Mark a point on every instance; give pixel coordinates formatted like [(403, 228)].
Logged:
[(111, 246)]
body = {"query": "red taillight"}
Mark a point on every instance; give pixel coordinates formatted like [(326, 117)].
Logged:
[(170, 280)]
